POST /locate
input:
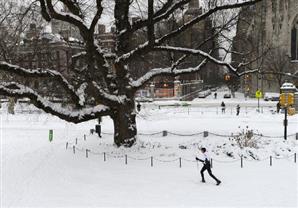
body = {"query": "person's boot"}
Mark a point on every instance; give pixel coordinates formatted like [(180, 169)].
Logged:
[(218, 182), (203, 181)]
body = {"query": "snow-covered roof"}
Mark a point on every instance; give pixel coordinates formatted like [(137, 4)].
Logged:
[(53, 38)]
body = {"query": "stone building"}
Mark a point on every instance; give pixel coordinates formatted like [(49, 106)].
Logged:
[(267, 35), (191, 38)]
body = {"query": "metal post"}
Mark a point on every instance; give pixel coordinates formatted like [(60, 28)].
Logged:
[(76, 140), (125, 159), (258, 104), (285, 123), (151, 161), (180, 162), (295, 157), (87, 153), (66, 145), (84, 137), (241, 161), (104, 156), (74, 149), (270, 160), (211, 163)]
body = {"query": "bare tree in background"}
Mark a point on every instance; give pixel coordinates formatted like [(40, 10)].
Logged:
[(104, 85)]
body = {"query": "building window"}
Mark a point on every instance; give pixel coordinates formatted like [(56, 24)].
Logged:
[(294, 40)]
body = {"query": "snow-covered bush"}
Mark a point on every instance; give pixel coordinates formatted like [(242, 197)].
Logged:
[(246, 138)]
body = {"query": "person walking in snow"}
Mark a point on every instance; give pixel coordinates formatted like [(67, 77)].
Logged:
[(223, 107), (206, 166), (237, 110), (215, 95), (277, 107)]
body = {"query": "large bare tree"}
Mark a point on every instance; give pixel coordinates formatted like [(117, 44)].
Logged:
[(104, 85)]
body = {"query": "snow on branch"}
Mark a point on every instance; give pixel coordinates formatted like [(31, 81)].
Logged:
[(38, 73), (165, 71), (65, 16), (106, 96), (17, 90), (200, 53), (203, 16)]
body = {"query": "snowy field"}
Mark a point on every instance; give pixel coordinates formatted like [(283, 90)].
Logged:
[(37, 173)]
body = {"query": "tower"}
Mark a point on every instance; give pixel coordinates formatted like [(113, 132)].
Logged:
[(194, 8)]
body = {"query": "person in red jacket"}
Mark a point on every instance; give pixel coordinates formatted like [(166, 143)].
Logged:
[(207, 166)]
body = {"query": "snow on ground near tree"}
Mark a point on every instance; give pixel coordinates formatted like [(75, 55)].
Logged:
[(36, 173)]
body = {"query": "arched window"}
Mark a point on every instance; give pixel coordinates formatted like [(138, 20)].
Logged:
[(294, 40)]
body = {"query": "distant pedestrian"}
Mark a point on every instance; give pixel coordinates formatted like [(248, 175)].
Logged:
[(238, 110), (223, 107), (139, 107), (215, 95), (206, 166), (277, 107)]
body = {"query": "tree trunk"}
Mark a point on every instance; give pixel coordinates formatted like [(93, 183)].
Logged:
[(125, 129)]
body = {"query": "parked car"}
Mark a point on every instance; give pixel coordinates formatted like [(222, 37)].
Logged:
[(227, 95), (271, 96), (204, 93), (143, 99)]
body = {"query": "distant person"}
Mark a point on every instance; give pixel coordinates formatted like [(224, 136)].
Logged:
[(206, 166), (215, 95), (223, 107), (277, 107), (139, 107), (237, 110)]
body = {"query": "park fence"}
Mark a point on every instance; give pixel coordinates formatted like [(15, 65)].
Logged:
[(179, 160), (165, 133)]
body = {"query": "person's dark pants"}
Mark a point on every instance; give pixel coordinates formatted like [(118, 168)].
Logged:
[(208, 168)]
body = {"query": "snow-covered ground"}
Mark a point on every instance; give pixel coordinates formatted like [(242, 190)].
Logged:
[(37, 173)]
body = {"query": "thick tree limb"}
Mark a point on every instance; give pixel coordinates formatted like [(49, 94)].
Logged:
[(165, 71), (41, 73), (97, 15), (65, 16), (76, 116)]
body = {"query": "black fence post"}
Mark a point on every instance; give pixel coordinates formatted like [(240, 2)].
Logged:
[(104, 156), (76, 140), (241, 161), (74, 149), (295, 157), (151, 161), (125, 159), (87, 153), (84, 137), (164, 133), (211, 163), (66, 145), (270, 160), (205, 134), (180, 162)]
